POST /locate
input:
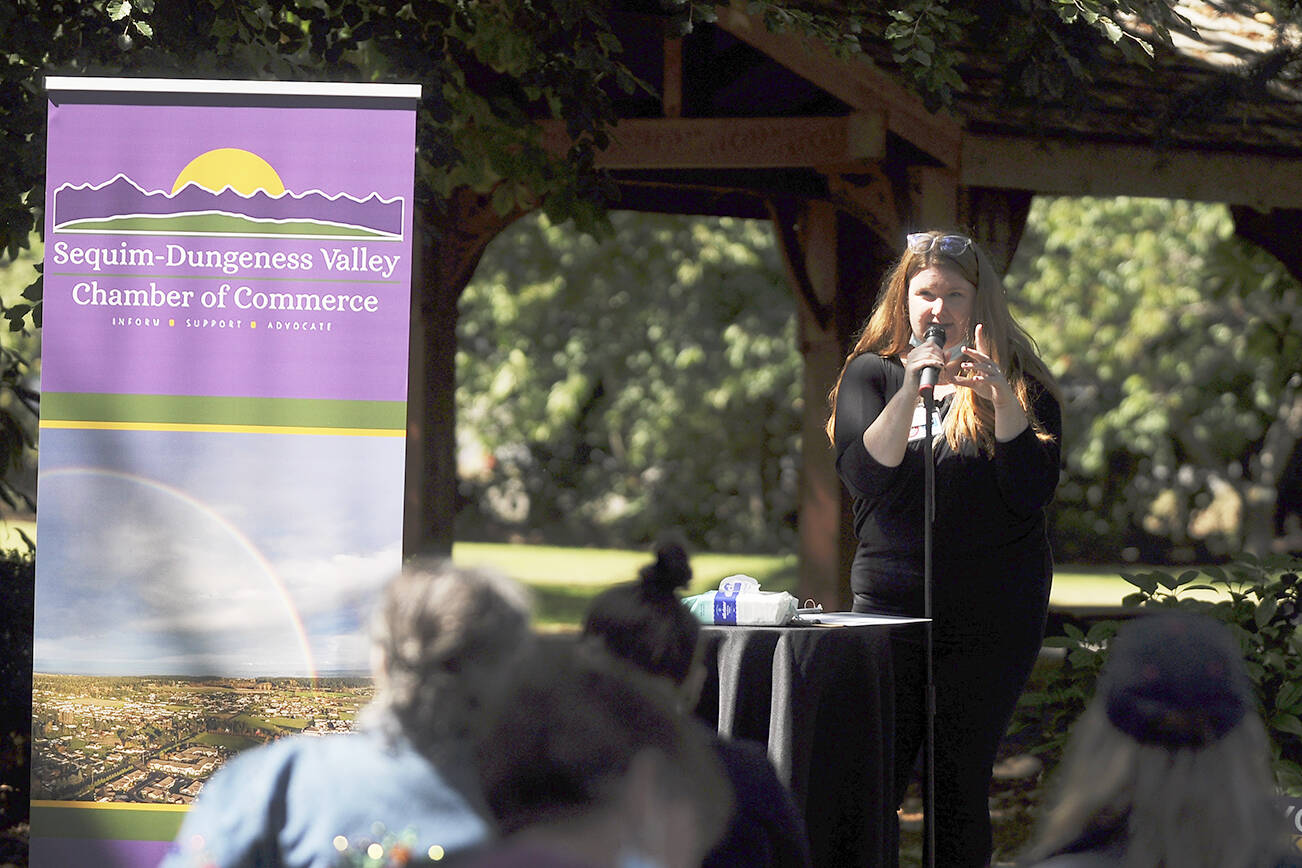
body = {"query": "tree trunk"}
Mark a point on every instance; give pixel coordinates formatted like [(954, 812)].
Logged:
[(449, 246), (1267, 470)]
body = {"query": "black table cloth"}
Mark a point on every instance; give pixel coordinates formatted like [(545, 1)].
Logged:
[(821, 699)]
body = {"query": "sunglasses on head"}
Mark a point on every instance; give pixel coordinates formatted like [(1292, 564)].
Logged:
[(952, 246)]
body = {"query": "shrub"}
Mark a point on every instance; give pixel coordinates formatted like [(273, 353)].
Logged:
[(1257, 598), (17, 589)]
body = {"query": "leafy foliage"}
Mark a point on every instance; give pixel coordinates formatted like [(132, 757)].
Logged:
[(1257, 598), (17, 599), (1046, 47), (625, 385), (489, 70), (19, 401), (1174, 341), (919, 35)]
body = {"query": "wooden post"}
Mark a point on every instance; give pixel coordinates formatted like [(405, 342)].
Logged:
[(821, 563), (996, 219), (671, 96)]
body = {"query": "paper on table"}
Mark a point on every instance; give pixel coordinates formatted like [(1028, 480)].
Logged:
[(844, 619)]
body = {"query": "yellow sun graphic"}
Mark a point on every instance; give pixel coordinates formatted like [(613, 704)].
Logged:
[(243, 171)]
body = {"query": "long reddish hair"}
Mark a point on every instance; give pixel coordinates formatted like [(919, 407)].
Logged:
[(888, 333)]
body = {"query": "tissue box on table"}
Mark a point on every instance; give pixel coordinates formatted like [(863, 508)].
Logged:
[(740, 601)]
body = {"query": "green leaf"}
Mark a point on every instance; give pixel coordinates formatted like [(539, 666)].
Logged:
[(1080, 657), (1265, 611), (1289, 697), (143, 28), (118, 9), (503, 199), (1286, 723), (1101, 631), (1144, 581), (1166, 580), (609, 42)]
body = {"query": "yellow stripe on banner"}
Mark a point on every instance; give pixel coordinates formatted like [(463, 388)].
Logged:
[(222, 429), (108, 806)]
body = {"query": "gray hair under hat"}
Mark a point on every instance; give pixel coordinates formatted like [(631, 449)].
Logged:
[(1176, 680)]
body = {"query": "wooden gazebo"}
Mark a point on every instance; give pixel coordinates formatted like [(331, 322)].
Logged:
[(845, 160)]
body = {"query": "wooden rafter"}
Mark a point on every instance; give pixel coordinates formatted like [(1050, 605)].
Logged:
[(1102, 169), (856, 82), (744, 143), (785, 218)]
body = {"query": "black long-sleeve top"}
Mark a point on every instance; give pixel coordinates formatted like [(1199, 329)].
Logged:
[(989, 544)]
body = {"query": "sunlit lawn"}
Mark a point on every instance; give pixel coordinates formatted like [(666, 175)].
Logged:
[(564, 579)]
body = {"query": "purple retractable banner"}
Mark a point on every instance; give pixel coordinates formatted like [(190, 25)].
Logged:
[(227, 288)]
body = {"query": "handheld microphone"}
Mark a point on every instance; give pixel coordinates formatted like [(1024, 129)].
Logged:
[(936, 335)]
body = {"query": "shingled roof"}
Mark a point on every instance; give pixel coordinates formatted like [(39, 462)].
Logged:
[(1212, 91), (1210, 118)]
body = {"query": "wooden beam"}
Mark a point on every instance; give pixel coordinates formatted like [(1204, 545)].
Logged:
[(786, 229), (725, 143), (856, 82), (671, 92), (1100, 169), (933, 199)]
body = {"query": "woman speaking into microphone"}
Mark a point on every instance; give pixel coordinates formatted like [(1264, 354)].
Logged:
[(997, 435)]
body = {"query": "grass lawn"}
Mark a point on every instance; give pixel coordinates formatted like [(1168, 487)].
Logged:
[(564, 579)]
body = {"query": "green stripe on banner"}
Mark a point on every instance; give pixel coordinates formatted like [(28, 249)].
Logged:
[(112, 820), (206, 410)]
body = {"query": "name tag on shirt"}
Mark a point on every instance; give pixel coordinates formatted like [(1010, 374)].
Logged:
[(918, 428)]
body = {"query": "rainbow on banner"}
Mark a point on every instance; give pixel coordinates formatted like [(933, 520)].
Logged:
[(223, 436)]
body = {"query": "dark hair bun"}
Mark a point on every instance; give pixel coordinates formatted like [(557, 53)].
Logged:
[(670, 571)]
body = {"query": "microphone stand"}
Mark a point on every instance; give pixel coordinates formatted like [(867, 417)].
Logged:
[(929, 697)]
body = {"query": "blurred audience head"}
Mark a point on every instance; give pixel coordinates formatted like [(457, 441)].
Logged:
[(591, 758), (646, 624), (443, 639), (1169, 764)]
